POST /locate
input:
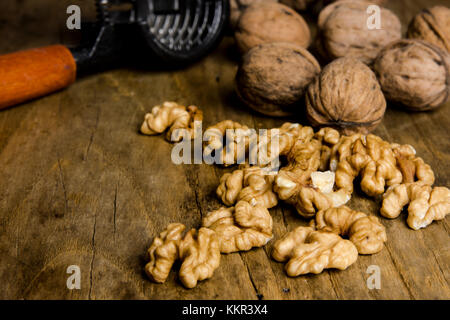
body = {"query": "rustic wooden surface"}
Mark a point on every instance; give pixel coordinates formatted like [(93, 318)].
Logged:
[(80, 186)]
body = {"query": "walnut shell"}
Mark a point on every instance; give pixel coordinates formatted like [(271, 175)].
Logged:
[(414, 73), (346, 95), (273, 77), (432, 25), (343, 31), (299, 5), (377, 2), (271, 22), (238, 6)]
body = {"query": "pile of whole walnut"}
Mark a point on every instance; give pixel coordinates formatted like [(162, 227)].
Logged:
[(365, 63), (345, 100)]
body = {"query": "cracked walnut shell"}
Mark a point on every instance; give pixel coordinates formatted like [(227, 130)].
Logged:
[(270, 22), (309, 251), (415, 74), (346, 96), (272, 78), (344, 31), (432, 25)]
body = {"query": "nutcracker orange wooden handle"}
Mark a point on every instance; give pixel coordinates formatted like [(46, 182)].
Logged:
[(33, 73)]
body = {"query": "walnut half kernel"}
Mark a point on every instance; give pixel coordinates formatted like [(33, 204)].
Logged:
[(426, 204), (310, 251), (366, 232), (240, 228), (198, 252)]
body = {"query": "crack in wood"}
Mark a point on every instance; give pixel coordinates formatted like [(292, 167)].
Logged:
[(397, 268), (93, 257), (91, 138), (194, 186), (284, 218), (115, 209), (439, 266), (258, 294), (333, 285), (61, 176)]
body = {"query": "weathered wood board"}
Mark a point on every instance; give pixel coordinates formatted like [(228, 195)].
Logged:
[(80, 186)]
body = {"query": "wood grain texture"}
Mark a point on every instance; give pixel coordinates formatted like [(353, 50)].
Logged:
[(32, 73), (80, 185)]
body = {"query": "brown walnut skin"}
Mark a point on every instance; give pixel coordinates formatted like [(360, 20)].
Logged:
[(415, 74), (238, 6), (432, 25), (346, 96), (343, 31), (271, 22), (299, 5), (273, 78), (377, 2)]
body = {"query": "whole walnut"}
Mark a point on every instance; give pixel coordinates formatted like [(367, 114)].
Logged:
[(299, 5), (346, 95), (414, 73), (238, 6), (432, 25), (344, 31), (270, 22), (273, 77)]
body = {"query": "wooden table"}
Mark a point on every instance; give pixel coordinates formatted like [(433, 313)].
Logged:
[(80, 186)]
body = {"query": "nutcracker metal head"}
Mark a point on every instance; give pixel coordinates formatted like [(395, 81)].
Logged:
[(182, 30), (175, 31)]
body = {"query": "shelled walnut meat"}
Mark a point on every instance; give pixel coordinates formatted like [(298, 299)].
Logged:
[(310, 251), (238, 6), (250, 184), (240, 228), (425, 204), (344, 31), (271, 22), (198, 252), (317, 177), (366, 232), (178, 120), (414, 73), (432, 25), (272, 78), (346, 96)]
